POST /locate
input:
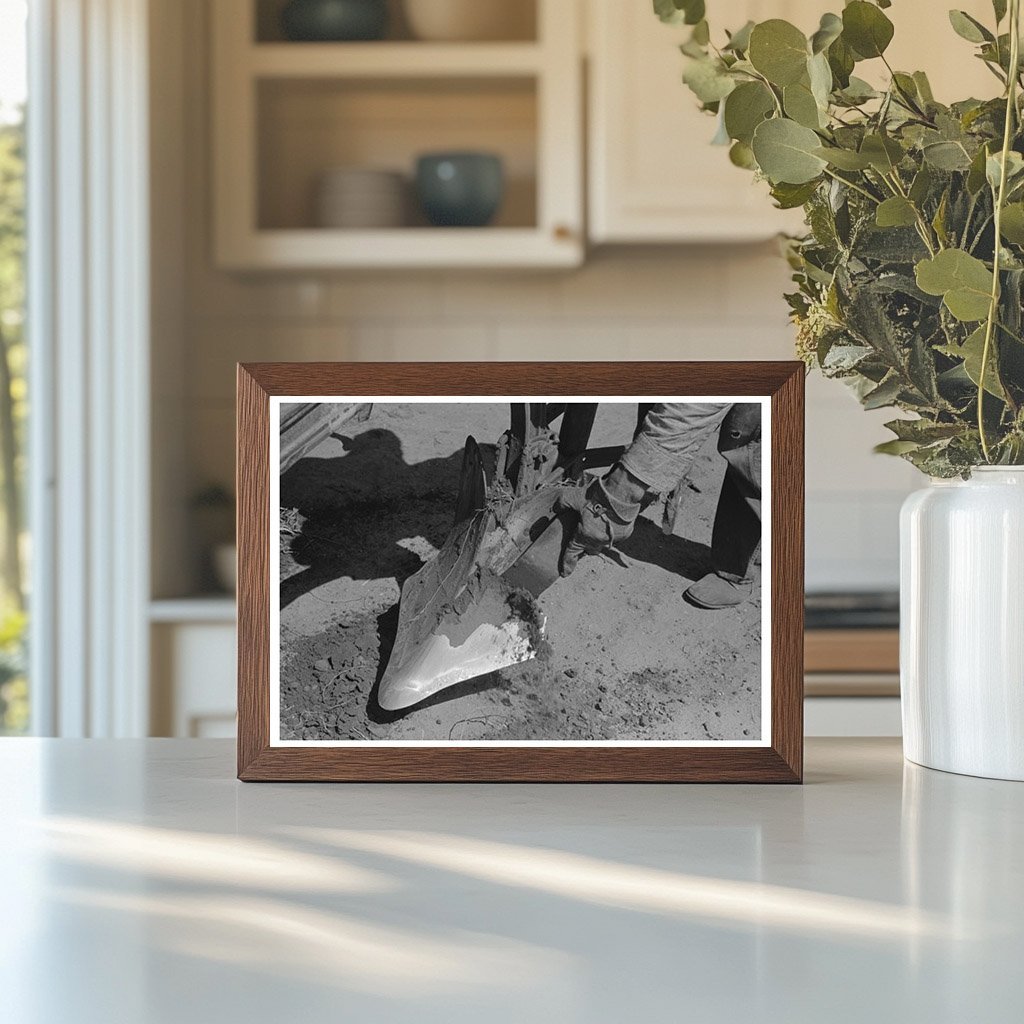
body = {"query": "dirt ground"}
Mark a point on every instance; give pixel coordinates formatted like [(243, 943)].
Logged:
[(626, 657)]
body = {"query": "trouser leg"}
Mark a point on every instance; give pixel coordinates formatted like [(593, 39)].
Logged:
[(737, 531)]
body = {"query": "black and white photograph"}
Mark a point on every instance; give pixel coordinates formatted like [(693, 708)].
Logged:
[(453, 571)]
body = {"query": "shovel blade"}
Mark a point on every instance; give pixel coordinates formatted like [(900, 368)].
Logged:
[(436, 664), (469, 611), (493, 628)]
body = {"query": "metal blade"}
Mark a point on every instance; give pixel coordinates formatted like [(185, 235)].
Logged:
[(489, 627), (436, 664)]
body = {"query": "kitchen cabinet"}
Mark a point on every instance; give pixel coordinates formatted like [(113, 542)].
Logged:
[(287, 113), (192, 647), (653, 175)]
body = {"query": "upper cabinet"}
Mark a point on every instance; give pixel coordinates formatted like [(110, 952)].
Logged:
[(653, 174), (316, 142)]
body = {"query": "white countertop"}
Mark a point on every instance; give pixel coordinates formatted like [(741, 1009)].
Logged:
[(143, 885)]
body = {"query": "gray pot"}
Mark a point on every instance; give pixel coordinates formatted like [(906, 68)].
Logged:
[(460, 189), (334, 20)]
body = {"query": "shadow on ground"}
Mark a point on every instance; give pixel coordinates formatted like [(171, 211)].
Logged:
[(355, 509)]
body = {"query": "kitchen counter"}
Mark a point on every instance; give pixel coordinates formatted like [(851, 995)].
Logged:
[(143, 885)]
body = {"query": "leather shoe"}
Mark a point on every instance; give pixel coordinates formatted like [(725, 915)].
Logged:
[(719, 590)]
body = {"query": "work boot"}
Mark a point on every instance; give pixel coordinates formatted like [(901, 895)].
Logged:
[(719, 590)]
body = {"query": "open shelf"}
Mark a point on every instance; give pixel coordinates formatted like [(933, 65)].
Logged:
[(306, 128), (405, 248), (393, 60), (519, 17)]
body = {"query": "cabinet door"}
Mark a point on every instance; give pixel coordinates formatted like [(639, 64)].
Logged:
[(653, 175), (925, 41), (193, 686)]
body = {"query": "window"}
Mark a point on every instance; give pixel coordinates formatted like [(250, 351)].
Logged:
[(14, 704)]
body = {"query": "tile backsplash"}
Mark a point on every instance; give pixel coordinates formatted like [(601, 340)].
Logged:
[(721, 302)]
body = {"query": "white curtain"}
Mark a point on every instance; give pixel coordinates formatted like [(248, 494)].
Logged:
[(88, 318)]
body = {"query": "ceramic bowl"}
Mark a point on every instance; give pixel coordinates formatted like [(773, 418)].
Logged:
[(460, 189), (469, 20), (334, 20), (360, 197)]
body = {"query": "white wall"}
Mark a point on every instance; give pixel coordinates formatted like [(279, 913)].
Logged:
[(665, 303)]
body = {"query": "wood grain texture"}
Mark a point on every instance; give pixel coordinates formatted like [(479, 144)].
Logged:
[(781, 762), (252, 482), (787, 541)]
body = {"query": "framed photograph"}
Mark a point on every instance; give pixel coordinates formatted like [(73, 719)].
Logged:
[(520, 572)]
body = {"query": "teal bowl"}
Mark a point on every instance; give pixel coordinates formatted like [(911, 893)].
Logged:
[(334, 21), (460, 190)]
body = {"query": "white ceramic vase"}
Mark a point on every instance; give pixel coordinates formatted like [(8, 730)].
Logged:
[(962, 624)]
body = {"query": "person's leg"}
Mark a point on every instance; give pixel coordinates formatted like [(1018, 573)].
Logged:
[(737, 530)]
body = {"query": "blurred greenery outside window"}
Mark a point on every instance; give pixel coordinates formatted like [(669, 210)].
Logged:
[(14, 703)]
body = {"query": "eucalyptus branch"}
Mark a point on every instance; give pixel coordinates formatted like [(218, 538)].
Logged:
[(873, 301), (907, 99), (850, 184), (1000, 199), (923, 227)]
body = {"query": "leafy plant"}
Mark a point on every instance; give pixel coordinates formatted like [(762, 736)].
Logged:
[(910, 277), (14, 708)]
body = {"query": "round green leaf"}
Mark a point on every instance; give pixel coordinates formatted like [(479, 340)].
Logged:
[(789, 197), (844, 159), (1014, 169), (961, 279), (820, 76), (800, 105), (743, 156), (895, 212), (841, 61), (740, 39), (882, 152), (674, 12), (858, 91), (946, 155), (779, 51), (747, 106), (1012, 225), (708, 81), (831, 27), (866, 29), (785, 152)]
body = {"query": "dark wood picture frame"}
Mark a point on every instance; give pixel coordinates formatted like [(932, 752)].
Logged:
[(781, 761)]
